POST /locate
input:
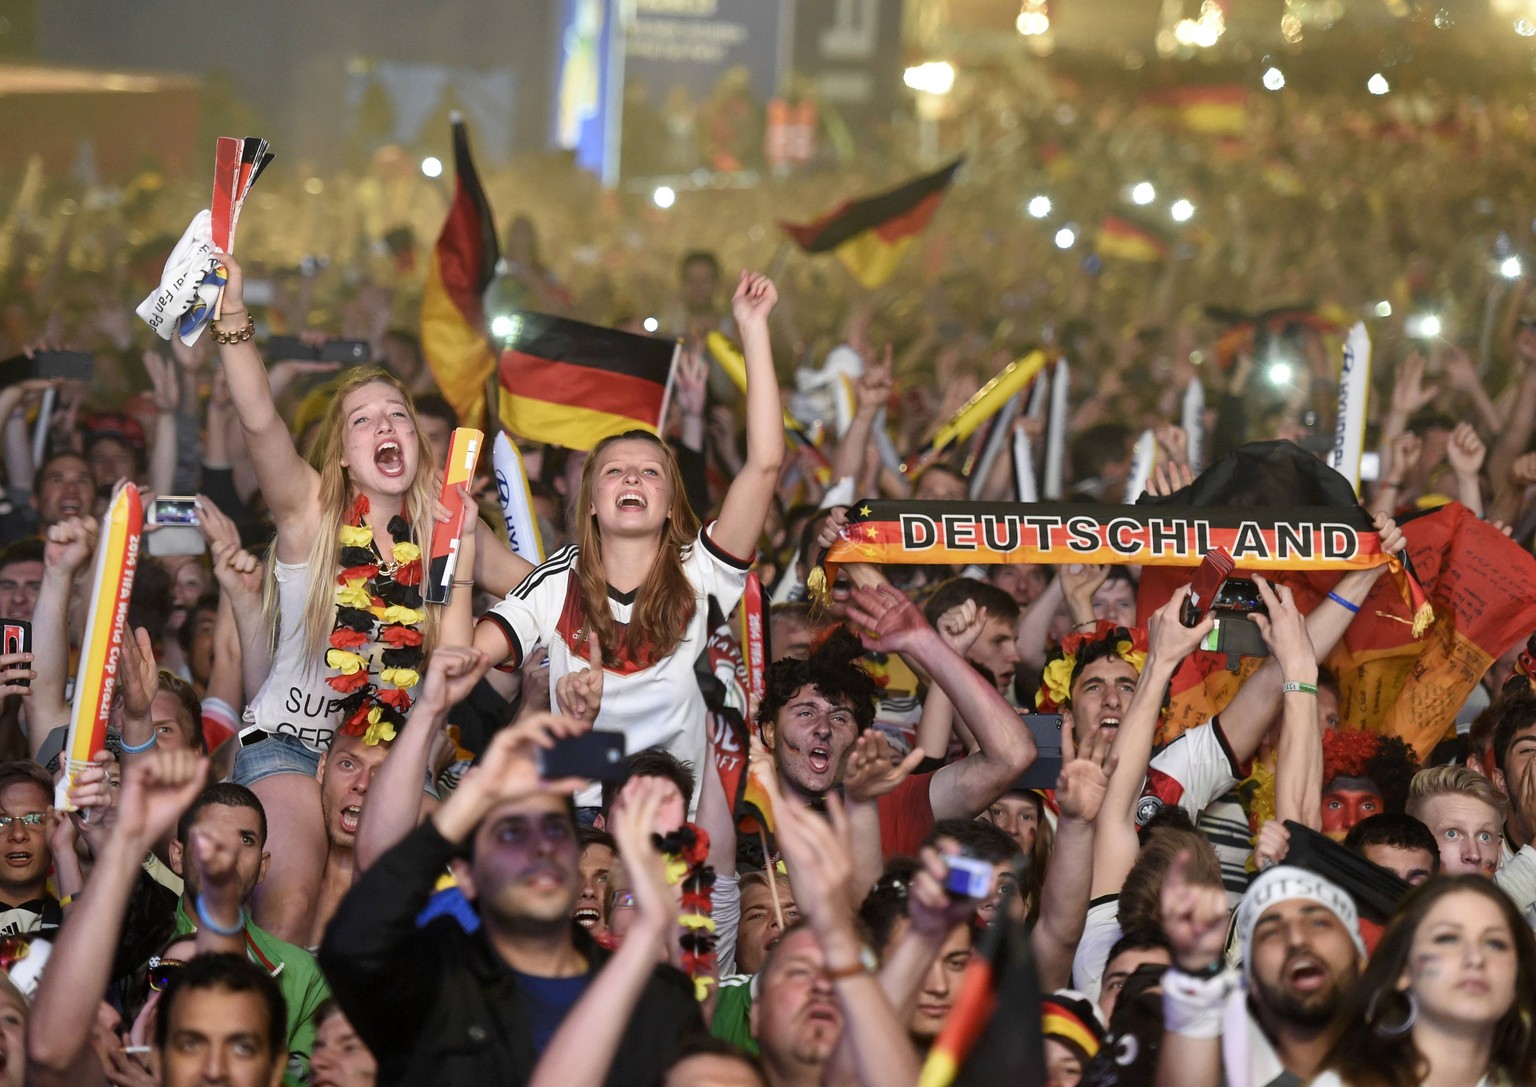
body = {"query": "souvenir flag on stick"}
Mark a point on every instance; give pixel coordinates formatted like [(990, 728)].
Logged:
[(998, 432), (454, 335), (574, 384), (1056, 430), (117, 556), (1193, 421), (237, 163), (516, 500), (987, 402), (463, 451), (871, 235), (1354, 387)]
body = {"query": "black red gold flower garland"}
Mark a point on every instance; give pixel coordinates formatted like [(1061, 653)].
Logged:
[(686, 850), (376, 603)]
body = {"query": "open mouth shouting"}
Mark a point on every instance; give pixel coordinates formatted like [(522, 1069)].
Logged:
[(390, 458), (820, 758), (351, 817), (1110, 725), (18, 858), (632, 500), (1305, 974), (587, 917)]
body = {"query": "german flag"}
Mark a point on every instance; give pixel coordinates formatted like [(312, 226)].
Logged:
[(574, 384), (870, 235), (1213, 110), (1126, 239), (454, 336)]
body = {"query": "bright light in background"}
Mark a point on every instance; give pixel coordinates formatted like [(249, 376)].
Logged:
[(650, 324), (502, 326), (1510, 268), (1424, 327), (1383, 308), (1066, 238), (932, 77), (1525, 28), (664, 197), (1143, 193), (1280, 373), (1182, 211), (1274, 79), (1205, 31), (432, 166), (1039, 206), (1378, 84), (1033, 18)]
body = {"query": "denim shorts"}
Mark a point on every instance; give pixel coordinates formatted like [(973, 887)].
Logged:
[(277, 754)]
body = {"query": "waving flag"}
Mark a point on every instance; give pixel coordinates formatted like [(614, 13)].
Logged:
[(871, 235), (454, 337)]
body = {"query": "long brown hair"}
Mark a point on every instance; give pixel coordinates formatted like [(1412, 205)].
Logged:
[(336, 496), (665, 601), (1365, 1058)]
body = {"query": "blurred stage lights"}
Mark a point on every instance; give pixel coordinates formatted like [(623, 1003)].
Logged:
[(1383, 308), (1066, 238), (931, 77), (1039, 206), (503, 326), (1525, 28), (1143, 193), (1378, 84), (432, 166), (664, 196), (1510, 268), (650, 324), (1423, 327), (1182, 211), (1274, 79), (1280, 373)]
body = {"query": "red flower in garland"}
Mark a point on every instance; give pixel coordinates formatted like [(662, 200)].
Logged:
[(400, 637), (409, 574), (396, 699), (353, 573), (348, 684), (346, 638)]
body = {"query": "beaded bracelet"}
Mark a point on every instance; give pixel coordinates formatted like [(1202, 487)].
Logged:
[(239, 335)]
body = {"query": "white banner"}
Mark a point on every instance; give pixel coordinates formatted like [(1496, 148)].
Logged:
[(1142, 460), (1056, 430), (1024, 467), (1354, 384), (1194, 424), (516, 501)]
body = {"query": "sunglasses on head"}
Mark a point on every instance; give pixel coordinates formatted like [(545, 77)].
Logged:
[(161, 970)]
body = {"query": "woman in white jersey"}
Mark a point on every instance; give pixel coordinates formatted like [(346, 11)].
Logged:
[(639, 578), (350, 631)]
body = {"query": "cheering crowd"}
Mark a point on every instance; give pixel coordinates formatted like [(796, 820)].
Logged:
[(979, 822)]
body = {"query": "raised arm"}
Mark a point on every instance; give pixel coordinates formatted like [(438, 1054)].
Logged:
[(1194, 916), (1005, 748), (154, 794), (745, 509), (871, 392), (1115, 845), (289, 485), (70, 546), (1299, 762)]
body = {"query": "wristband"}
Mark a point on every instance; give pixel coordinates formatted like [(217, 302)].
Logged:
[(213, 926), (1353, 609), (1193, 1006), (1292, 686), (139, 749), (65, 900)]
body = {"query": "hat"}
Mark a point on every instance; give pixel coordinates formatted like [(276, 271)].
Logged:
[(1069, 1017), (1286, 883), (116, 425)]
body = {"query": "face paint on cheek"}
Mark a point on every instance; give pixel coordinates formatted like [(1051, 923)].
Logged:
[(1426, 965)]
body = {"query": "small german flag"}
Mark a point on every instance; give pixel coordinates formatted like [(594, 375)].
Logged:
[(1126, 239), (575, 384), (453, 331), (870, 235), (1214, 110)]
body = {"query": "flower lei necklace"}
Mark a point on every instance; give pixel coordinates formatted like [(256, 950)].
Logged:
[(686, 850), (376, 602)]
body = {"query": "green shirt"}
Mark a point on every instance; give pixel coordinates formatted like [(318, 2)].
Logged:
[(733, 1012), (298, 976)]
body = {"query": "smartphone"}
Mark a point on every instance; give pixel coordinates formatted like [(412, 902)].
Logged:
[(1043, 772), (595, 756), (290, 347), (1240, 595), (346, 352), (16, 637), (69, 365), (177, 534)]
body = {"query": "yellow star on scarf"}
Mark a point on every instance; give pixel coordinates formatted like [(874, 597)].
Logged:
[(871, 532), (865, 511)]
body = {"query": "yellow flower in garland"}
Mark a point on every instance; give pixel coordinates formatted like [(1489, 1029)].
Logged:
[(395, 613), (1136, 658), (405, 552), (404, 678), (358, 536), (696, 920), (378, 732), (1057, 681), (344, 662), (677, 869), (354, 595)]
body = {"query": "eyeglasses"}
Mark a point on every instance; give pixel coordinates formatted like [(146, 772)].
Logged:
[(623, 900), (31, 819), (161, 970)]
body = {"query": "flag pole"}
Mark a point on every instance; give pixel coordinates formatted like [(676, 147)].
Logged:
[(666, 395)]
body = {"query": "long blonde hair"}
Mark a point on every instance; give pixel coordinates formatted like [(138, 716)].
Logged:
[(665, 602), (336, 497)]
